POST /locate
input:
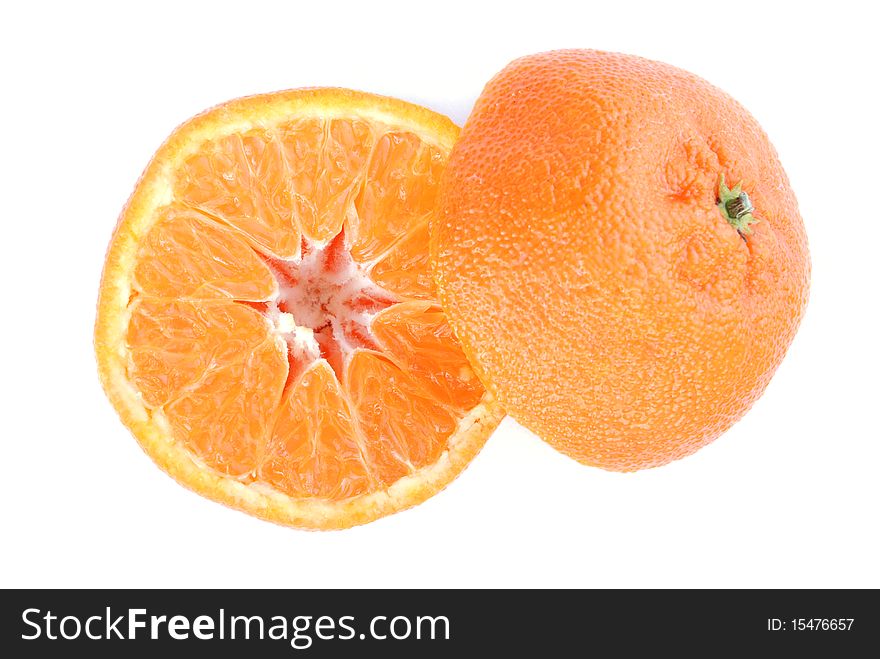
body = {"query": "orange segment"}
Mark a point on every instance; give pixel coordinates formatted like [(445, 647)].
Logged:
[(243, 180), (186, 255), (405, 269), (326, 160), (402, 425), (174, 343), (313, 450), (401, 187), (419, 339), (301, 142), (225, 417)]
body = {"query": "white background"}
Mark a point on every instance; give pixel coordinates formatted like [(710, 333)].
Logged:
[(788, 497)]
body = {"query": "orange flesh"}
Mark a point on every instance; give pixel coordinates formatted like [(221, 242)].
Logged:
[(284, 320)]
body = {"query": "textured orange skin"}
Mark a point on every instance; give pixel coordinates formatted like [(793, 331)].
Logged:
[(582, 261)]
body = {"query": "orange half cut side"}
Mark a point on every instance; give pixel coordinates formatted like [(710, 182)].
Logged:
[(267, 322)]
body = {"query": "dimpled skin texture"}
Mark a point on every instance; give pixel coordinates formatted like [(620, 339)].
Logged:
[(597, 289)]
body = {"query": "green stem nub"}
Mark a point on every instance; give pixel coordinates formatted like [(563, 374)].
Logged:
[(736, 207)]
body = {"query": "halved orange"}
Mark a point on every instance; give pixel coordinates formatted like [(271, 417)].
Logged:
[(267, 323)]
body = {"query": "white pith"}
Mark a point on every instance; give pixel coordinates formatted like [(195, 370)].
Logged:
[(317, 299)]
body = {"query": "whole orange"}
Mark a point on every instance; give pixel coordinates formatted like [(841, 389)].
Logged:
[(620, 253)]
